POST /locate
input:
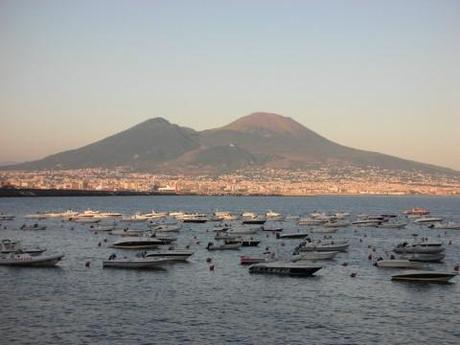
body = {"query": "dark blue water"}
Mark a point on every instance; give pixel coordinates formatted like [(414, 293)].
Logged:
[(188, 303)]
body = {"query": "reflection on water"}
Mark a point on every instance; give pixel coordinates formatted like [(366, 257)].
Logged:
[(188, 303)]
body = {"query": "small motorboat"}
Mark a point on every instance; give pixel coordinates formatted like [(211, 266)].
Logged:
[(336, 224), (424, 276), (445, 226), (135, 263), (315, 255), (128, 232), (324, 246), (272, 228), (292, 235), (8, 246), (173, 254), (137, 243), (436, 257), (242, 231), (225, 246), (398, 263), (245, 242), (6, 217), (428, 220), (254, 219), (26, 260), (88, 220), (102, 228), (424, 247), (284, 268)]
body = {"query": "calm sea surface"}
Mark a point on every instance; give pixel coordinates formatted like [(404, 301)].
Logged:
[(189, 304)]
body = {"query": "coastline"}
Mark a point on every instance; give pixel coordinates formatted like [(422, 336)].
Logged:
[(29, 192)]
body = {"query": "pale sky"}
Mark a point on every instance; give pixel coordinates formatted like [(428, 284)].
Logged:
[(376, 75)]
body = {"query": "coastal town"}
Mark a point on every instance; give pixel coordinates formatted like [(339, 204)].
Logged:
[(348, 180)]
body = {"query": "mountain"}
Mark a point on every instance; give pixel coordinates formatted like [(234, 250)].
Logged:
[(258, 139), (141, 147)]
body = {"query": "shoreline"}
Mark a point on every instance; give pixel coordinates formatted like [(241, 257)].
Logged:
[(24, 193)]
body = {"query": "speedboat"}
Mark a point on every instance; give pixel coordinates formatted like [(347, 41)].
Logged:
[(137, 243), (435, 257), (315, 255), (398, 263), (23, 259), (311, 221), (137, 218), (446, 226), (284, 268), (102, 228), (134, 263), (245, 242), (419, 247), (172, 254), (88, 220), (274, 216), (428, 220), (424, 276), (225, 246), (129, 232), (292, 235), (194, 218), (324, 246), (242, 231), (7, 246)]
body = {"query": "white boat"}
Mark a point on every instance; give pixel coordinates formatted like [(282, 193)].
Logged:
[(398, 263), (135, 263), (137, 243), (242, 231), (315, 255), (173, 254), (424, 276), (39, 216), (419, 247), (324, 246), (428, 220), (137, 218), (446, 226), (311, 221), (366, 222), (88, 220), (336, 224), (8, 246), (435, 257), (24, 259)]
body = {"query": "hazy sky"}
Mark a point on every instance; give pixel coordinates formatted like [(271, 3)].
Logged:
[(376, 75)]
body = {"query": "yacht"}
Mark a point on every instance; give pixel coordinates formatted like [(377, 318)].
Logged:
[(324, 246), (167, 228), (423, 246), (428, 220), (446, 226)]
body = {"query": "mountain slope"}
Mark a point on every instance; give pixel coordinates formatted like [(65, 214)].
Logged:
[(143, 146)]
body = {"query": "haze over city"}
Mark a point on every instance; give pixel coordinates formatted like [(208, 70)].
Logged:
[(375, 76)]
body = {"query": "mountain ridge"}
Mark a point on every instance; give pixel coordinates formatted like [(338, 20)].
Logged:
[(258, 139)]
